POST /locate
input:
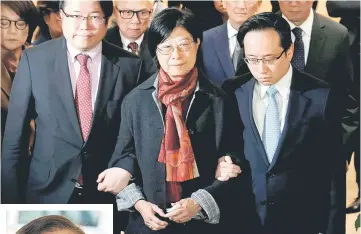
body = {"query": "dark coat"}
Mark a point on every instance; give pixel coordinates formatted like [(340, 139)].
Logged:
[(214, 127), (303, 189)]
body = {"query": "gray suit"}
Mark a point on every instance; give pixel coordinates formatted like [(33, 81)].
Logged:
[(42, 90)]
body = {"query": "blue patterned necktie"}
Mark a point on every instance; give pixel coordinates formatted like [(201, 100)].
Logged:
[(298, 60), (272, 124)]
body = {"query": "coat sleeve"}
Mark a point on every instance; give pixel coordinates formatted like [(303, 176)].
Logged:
[(15, 152), (234, 197), (124, 153), (335, 168)]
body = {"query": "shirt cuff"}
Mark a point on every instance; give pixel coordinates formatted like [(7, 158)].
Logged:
[(209, 206), (128, 197)]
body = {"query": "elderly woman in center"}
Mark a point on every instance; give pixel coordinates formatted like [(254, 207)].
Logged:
[(175, 129)]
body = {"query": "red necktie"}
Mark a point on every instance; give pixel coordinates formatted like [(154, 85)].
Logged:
[(83, 98), (134, 47)]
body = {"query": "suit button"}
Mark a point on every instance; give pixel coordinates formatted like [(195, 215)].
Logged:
[(271, 203), (272, 175), (190, 131), (263, 203)]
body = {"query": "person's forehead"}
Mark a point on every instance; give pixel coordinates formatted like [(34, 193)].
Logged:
[(81, 5), (265, 39), (6, 12), (304, 3), (134, 4)]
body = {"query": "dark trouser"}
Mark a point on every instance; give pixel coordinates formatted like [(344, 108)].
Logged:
[(354, 147)]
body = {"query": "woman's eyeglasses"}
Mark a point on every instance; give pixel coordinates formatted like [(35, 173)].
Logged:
[(168, 49), (19, 24)]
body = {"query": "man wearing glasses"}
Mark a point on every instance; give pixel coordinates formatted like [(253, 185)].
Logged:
[(290, 135), (73, 88), (133, 18)]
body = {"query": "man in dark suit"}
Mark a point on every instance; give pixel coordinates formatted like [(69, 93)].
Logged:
[(73, 88), (322, 50), (132, 19), (349, 11), (290, 135), (221, 54)]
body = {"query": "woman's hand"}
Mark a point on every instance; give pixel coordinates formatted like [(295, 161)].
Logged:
[(148, 211), (188, 208)]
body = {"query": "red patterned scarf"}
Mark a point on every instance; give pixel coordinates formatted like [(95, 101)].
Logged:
[(176, 150)]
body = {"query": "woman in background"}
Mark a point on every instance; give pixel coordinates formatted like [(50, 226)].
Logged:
[(50, 22), (18, 22)]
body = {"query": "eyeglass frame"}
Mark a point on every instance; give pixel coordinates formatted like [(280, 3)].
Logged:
[(264, 61), (15, 22), (178, 48), (103, 18), (134, 13)]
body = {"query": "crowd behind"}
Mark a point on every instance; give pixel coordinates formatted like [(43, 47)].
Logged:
[(231, 118)]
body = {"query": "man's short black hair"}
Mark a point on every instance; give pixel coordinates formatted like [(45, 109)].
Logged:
[(267, 20), (105, 5)]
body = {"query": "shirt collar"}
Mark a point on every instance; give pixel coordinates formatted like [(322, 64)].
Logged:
[(283, 85), (306, 26), (230, 30), (126, 41), (93, 53)]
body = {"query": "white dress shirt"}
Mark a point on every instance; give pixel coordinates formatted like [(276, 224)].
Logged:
[(232, 38), (94, 67), (126, 41), (260, 100), (306, 32)]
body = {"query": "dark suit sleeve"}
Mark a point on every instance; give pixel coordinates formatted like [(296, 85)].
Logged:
[(335, 167), (123, 155), (342, 70), (143, 74), (234, 197), (15, 152)]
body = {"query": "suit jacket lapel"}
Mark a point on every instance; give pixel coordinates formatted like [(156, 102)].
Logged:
[(114, 37), (63, 83), (145, 54), (318, 38), (297, 107), (245, 99), (221, 46), (201, 105), (108, 76)]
